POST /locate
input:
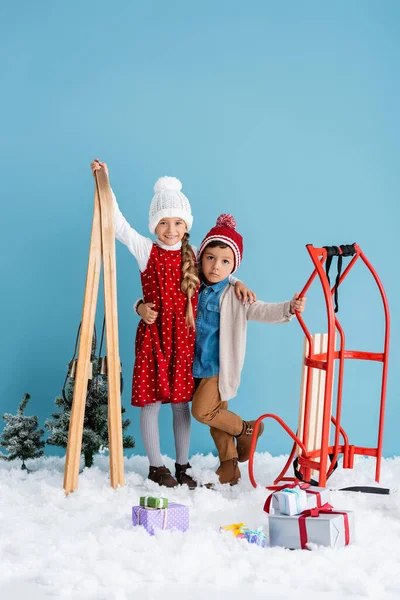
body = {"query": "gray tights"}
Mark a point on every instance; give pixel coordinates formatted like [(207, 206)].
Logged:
[(151, 437)]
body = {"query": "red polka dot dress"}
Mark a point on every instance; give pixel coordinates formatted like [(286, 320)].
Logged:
[(164, 351)]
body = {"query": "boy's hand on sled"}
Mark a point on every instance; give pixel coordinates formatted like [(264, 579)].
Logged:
[(96, 165), (244, 294), (297, 304), (145, 310)]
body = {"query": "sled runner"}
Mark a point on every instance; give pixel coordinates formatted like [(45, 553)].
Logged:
[(316, 457), (102, 249)]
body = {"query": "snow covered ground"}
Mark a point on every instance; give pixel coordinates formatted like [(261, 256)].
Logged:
[(84, 546)]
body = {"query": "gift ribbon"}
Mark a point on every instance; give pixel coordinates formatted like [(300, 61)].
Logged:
[(157, 497), (253, 531), (259, 533), (236, 528), (305, 487), (296, 490), (302, 486), (151, 508), (325, 509)]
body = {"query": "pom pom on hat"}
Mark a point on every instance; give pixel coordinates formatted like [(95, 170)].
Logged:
[(167, 183), (226, 220), (169, 201), (225, 232)]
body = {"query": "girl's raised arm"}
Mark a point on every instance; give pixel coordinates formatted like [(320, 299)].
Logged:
[(137, 244)]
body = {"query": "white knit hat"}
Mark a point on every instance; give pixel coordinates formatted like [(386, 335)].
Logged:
[(169, 201)]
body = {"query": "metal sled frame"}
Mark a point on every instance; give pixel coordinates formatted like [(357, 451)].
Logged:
[(324, 459)]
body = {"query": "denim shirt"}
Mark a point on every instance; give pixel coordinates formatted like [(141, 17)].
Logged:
[(206, 352)]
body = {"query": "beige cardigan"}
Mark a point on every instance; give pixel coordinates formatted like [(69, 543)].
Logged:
[(232, 335)]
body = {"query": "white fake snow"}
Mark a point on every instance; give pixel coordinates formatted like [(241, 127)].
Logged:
[(84, 545)]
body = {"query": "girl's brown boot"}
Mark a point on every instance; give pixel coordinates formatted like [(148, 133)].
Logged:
[(162, 476), (183, 478)]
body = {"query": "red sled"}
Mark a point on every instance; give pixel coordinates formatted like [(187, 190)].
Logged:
[(316, 458)]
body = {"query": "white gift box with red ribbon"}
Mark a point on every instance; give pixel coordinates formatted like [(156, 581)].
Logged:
[(323, 526)]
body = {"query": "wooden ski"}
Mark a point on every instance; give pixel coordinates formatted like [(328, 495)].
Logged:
[(102, 243), (111, 315)]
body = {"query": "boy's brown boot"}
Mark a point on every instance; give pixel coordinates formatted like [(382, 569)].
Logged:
[(162, 476), (228, 471), (183, 478), (243, 441)]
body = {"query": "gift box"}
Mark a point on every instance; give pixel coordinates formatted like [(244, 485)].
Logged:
[(153, 501), (316, 496), (176, 516), (255, 536), (323, 526), (291, 501)]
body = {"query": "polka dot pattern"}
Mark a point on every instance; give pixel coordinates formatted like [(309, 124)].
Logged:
[(176, 516), (164, 351)]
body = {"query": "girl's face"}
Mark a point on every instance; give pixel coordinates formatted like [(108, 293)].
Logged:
[(171, 230)]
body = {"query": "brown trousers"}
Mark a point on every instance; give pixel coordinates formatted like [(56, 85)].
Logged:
[(208, 408)]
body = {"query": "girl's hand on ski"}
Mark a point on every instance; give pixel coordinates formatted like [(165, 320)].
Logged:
[(244, 294), (96, 165), (145, 310), (297, 304)]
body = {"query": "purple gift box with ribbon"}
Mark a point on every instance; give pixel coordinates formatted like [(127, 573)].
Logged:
[(255, 536), (176, 516)]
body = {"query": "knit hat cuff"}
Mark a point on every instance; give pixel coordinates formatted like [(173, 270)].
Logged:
[(170, 212), (225, 240)]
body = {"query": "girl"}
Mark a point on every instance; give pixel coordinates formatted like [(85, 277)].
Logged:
[(164, 350)]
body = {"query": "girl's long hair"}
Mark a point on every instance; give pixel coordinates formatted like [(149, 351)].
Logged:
[(190, 278)]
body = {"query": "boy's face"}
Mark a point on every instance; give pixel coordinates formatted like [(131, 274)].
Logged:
[(171, 230), (216, 264)]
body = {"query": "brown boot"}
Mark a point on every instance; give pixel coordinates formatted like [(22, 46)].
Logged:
[(162, 476), (243, 441), (183, 478), (228, 471)]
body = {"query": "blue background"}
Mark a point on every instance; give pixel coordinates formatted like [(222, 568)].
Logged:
[(284, 114)]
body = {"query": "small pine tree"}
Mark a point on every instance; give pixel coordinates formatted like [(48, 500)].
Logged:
[(21, 437), (95, 424)]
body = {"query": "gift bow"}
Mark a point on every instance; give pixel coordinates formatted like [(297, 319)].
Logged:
[(303, 486), (296, 490), (315, 512), (293, 490), (259, 532), (236, 528)]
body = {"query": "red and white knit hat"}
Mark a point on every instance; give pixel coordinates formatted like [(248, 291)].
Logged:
[(225, 232)]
